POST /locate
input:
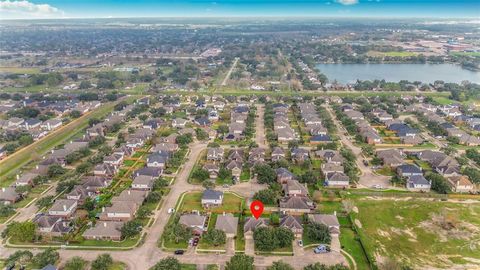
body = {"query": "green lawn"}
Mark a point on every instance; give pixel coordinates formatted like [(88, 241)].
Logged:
[(386, 170), (413, 232), (351, 245), (192, 201)]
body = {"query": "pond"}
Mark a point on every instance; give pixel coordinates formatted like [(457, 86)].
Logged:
[(427, 73)]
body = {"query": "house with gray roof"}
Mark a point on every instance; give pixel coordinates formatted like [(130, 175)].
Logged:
[(292, 223), (195, 222), (228, 224), (211, 198), (418, 183), (331, 221), (104, 230), (251, 224), (8, 195)]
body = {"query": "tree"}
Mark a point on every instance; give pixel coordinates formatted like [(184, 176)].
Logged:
[(177, 232), (169, 263), (131, 228), (102, 262), (240, 262), (21, 231), (308, 177), (319, 266), (215, 237), (6, 210), (200, 174), (22, 257), (56, 170), (266, 196), (279, 265), (42, 259), (75, 114), (439, 183), (75, 263), (264, 239), (153, 197), (265, 174), (317, 232), (224, 173), (283, 236), (44, 202), (184, 139), (201, 134), (208, 184)]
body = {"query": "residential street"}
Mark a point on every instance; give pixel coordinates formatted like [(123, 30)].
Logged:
[(260, 138), (367, 177)]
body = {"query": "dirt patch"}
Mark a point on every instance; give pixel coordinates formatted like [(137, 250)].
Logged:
[(399, 217), (355, 209), (447, 226), (383, 233)]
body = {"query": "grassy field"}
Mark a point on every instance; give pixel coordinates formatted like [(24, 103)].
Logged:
[(476, 54), (419, 233), (19, 70), (10, 164)]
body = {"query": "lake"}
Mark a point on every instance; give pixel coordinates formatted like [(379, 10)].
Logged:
[(427, 73)]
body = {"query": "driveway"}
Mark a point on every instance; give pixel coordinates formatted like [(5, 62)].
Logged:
[(260, 138)]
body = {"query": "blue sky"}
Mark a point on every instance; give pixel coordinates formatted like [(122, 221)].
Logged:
[(15, 9)]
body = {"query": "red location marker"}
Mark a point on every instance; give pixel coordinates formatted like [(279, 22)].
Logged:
[(257, 208)]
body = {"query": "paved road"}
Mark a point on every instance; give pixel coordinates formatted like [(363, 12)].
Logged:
[(260, 138), (225, 80), (367, 178)]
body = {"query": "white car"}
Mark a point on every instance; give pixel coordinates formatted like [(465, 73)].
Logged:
[(377, 186), (171, 210)]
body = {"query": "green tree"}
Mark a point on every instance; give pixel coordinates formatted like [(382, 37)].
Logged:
[(319, 266), (215, 237), (44, 202), (102, 262), (56, 170), (21, 257), (264, 239), (6, 210), (439, 183), (75, 114), (283, 236), (317, 232), (21, 231), (240, 262), (169, 263), (208, 184), (265, 174), (266, 196), (75, 263), (200, 174), (131, 228), (279, 265), (48, 256)]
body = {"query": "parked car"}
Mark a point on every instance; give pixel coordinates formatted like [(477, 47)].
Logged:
[(179, 252), (377, 186), (171, 210), (195, 241), (365, 162), (300, 243), (321, 249)]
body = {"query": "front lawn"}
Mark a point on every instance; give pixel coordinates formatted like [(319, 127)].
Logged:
[(193, 201)]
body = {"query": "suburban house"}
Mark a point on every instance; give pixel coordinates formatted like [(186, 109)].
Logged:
[(294, 188), (212, 197), (337, 179), (8, 195), (51, 226), (143, 182), (195, 222), (78, 193), (119, 211), (227, 223), (212, 169), (277, 154), (157, 160), (292, 223), (296, 204), (460, 184), (215, 154), (331, 221), (25, 180), (284, 175), (179, 123), (63, 208), (251, 224), (104, 230), (418, 183), (407, 170)]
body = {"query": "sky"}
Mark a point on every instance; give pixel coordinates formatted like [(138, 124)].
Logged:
[(35, 9)]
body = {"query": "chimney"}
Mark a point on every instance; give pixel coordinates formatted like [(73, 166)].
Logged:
[(335, 213), (105, 224), (18, 176), (103, 209), (64, 207), (3, 189), (129, 192)]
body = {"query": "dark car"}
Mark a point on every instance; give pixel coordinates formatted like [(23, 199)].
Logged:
[(195, 241), (179, 252)]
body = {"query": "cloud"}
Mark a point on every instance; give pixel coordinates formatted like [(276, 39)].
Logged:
[(28, 10), (347, 2)]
